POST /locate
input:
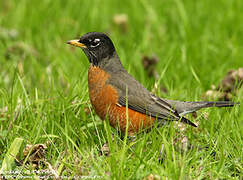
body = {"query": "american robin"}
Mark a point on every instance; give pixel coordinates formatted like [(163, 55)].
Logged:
[(116, 95)]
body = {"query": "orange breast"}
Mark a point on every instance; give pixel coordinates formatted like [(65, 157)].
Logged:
[(104, 99)]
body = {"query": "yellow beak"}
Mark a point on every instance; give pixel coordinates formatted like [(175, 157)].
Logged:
[(76, 43)]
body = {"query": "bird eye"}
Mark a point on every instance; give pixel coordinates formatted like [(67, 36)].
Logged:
[(95, 43)]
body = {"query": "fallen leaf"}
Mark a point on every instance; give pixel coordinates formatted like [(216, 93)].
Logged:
[(229, 87), (3, 111), (87, 110), (194, 114), (149, 64), (152, 177), (182, 143), (105, 150), (121, 20), (232, 80), (215, 95), (164, 89), (34, 154)]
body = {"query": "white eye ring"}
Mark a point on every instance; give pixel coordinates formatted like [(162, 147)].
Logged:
[(95, 43)]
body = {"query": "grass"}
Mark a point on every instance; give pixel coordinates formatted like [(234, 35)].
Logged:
[(44, 93)]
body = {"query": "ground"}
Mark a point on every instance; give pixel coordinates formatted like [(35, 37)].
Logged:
[(44, 102)]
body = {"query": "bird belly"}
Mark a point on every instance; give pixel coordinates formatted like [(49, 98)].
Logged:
[(104, 99)]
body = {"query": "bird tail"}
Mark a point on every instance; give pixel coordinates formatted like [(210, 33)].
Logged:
[(205, 104), (194, 106), (185, 107)]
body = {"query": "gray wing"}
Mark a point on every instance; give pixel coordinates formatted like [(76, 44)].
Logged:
[(141, 100)]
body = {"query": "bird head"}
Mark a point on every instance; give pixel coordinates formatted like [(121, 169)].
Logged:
[(98, 47)]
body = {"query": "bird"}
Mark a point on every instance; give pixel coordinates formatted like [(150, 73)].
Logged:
[(117, 96)]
